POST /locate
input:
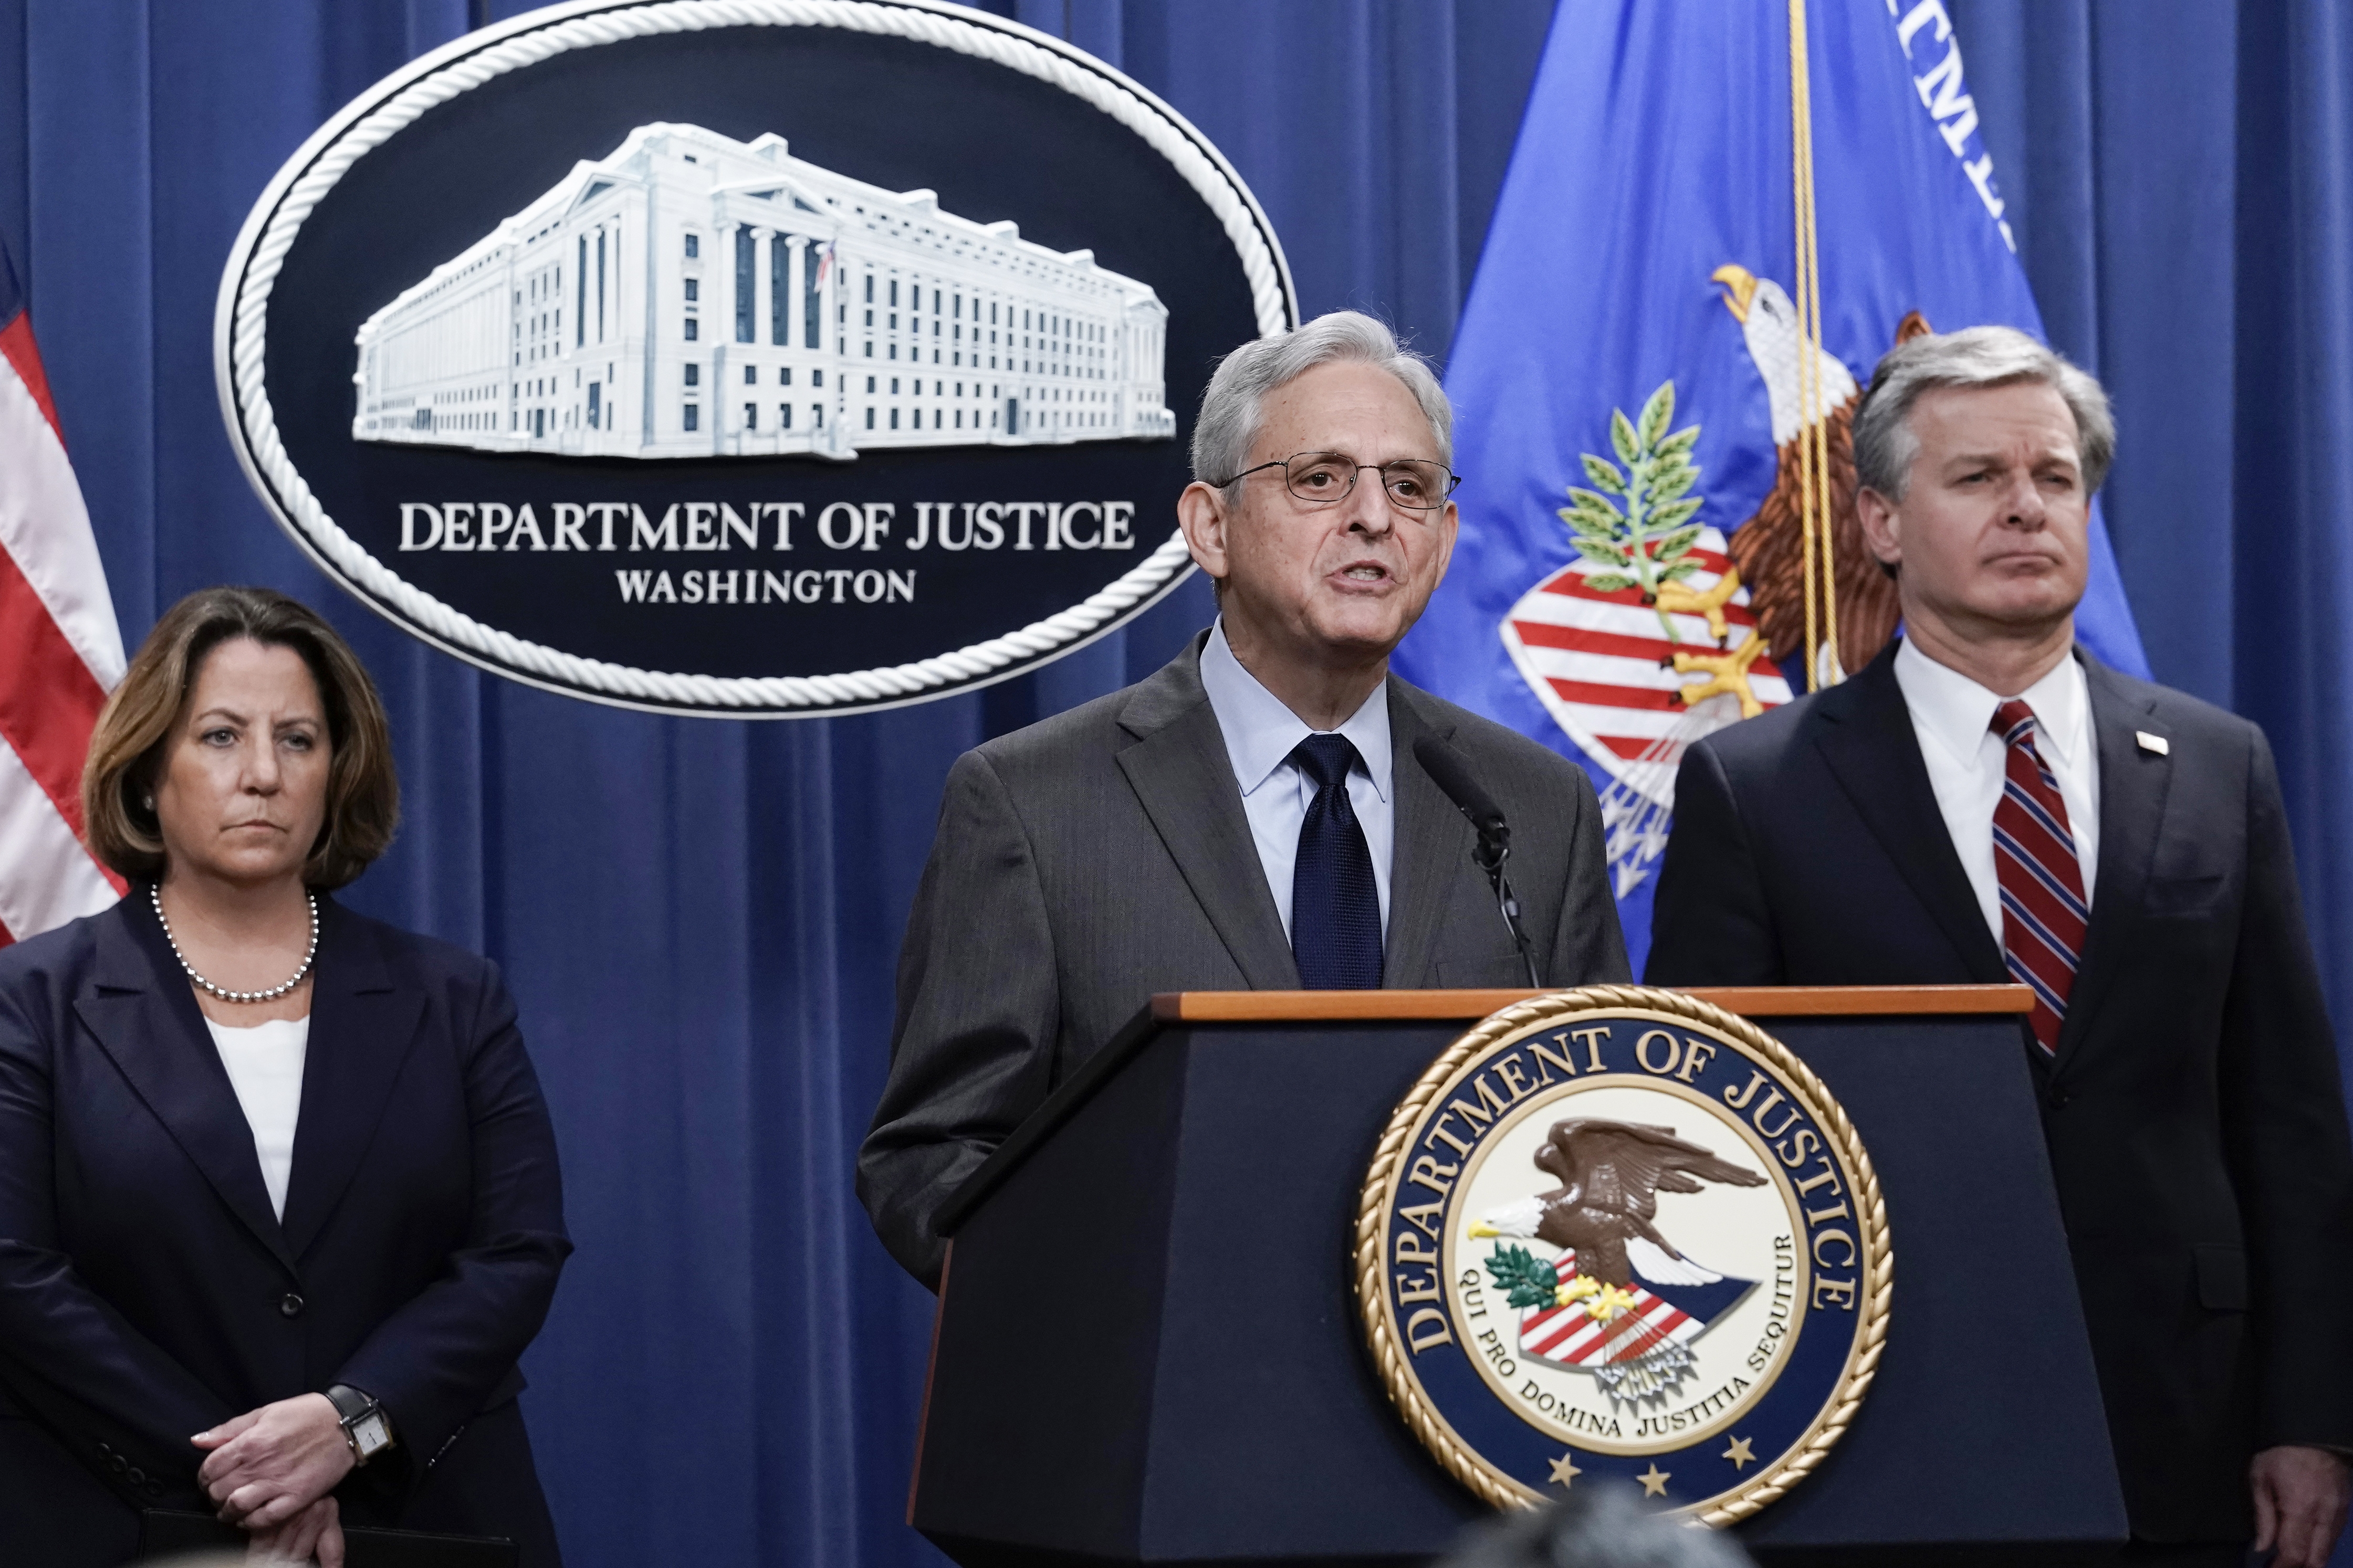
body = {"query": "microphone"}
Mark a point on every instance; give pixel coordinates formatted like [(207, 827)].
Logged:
[(1447, 770)]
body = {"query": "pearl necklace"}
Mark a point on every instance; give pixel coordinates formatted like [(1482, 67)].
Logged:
[(155, 896)]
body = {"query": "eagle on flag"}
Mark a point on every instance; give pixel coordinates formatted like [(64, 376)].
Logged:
[(1768, 549)]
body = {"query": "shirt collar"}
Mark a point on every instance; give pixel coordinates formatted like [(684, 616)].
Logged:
[(1261, 731), (1957, 713)]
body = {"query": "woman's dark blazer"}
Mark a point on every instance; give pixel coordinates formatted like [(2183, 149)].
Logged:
[(146, 1290)]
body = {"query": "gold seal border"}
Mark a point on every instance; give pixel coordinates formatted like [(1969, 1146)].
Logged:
[(1381, 1180)]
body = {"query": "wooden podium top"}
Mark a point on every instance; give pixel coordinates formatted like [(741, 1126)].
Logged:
[(1432, 1006), (1748, 1001)]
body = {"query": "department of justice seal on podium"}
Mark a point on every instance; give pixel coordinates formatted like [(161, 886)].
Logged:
[(1621, 1233)]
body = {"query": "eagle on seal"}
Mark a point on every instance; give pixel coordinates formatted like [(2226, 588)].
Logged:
[(1768, 549), (1610, 1175)]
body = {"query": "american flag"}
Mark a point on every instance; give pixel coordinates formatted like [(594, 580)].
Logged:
[(60, 651)]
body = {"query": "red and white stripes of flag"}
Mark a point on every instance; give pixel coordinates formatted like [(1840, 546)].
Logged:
[(60, 650)]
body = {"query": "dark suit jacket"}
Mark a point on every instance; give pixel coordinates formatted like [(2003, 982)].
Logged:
[(2193, 1113), (1086, 862), (146, 1290)]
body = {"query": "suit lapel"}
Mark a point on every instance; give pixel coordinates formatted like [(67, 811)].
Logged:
[(1179, 770), (2134, 784), (1868, 741), (1431, 843), (144, 1016), (363, 1026)]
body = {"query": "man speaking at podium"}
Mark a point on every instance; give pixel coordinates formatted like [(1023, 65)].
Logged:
[(1255, 814), (1986, 802)]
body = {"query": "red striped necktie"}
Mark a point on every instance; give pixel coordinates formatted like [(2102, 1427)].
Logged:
[(2043, 915)]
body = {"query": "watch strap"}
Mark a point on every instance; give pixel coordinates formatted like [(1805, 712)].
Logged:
[(368, 1429), (351, 1404)]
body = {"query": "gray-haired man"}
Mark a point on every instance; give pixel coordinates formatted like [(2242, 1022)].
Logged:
[(1986, 802), (1253, 816)]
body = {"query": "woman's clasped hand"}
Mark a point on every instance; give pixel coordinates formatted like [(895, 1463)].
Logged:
[(269, 1468)]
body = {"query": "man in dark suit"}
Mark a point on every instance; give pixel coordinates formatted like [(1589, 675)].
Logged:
[(1986, 802), (1253, 816)]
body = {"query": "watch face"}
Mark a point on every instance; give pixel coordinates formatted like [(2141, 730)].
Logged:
[(370, 1433)]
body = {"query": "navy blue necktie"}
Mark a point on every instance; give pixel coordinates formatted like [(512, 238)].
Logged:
[(1335, 905)]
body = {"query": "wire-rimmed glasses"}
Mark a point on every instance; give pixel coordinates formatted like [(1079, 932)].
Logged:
[(1320, 478)]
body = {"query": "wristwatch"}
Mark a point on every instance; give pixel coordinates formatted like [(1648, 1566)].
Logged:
[(365, 1425)]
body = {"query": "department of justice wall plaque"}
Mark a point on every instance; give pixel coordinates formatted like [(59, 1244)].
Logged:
[(1621, 1233), (759, 359)]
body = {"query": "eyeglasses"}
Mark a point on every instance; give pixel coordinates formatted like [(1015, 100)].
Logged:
[(1320, 478)]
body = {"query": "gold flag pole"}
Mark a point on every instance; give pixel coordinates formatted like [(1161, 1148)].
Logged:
[(1820, 427), (1809, 396), (1813, 425)]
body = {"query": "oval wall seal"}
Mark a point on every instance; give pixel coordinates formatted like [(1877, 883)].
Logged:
[(1619, 1233), (764, 359)]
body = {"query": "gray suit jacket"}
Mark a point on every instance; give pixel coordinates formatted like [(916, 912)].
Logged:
[(1094, 858)]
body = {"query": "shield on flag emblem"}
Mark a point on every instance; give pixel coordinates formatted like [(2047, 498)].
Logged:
[(1647, 641), (1605, 670)]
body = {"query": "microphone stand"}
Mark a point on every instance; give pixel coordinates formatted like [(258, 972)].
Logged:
[(1454, 781), (1496, 847)]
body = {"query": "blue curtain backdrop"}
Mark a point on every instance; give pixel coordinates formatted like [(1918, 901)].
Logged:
[(700, 919), (2181, 179)]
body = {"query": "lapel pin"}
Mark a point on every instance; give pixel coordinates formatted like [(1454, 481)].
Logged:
[(2150, 743)]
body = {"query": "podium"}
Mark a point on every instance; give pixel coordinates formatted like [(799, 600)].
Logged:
[(1147, 1349)]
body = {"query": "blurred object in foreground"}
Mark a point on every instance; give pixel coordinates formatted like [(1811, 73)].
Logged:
[(1606, 1527)]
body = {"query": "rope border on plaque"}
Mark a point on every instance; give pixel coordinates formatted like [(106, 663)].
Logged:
[(242, 312)]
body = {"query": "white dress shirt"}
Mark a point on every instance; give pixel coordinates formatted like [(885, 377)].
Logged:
[(1261, 733), (1953, 717), (265, 1068)]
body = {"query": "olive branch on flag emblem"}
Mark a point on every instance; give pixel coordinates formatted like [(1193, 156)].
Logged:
[(1646, 543)]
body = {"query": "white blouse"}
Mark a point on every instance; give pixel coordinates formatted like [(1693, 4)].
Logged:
[(265, 1068)]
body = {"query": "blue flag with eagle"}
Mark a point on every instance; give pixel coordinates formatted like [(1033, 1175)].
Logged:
[(1716, 220)]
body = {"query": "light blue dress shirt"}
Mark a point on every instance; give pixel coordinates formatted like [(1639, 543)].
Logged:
[(1261, 733)]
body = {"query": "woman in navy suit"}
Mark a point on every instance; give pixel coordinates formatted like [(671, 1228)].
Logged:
[(279, 1200)]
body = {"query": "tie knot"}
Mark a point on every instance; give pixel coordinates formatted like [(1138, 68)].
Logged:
[(1326, 759), (2014, 721)]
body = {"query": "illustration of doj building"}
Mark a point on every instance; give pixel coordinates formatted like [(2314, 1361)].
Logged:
[(696, 296)]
